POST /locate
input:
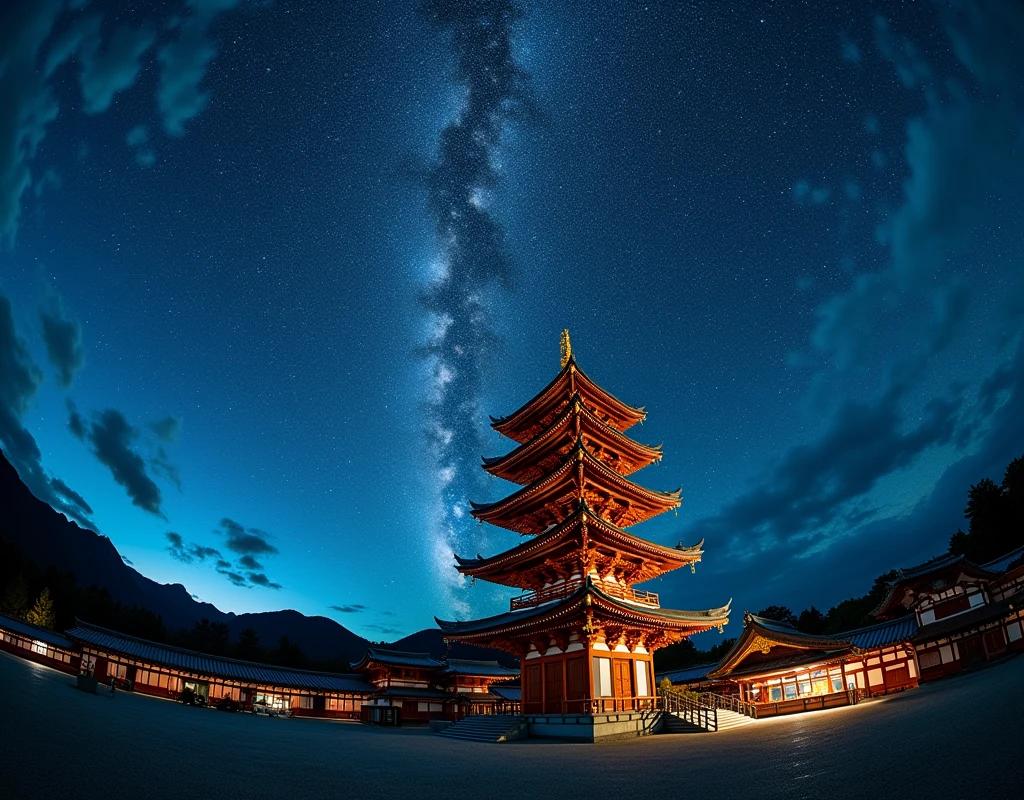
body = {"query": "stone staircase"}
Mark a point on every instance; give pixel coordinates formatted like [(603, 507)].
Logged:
[(486, 728), (727, 720)]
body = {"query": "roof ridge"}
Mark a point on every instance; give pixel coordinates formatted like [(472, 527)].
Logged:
[(90, 626)]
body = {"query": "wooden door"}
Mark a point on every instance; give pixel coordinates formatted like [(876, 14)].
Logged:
[(622, 680), (532, 697), (971, 650), (576, 685), (553, 693)]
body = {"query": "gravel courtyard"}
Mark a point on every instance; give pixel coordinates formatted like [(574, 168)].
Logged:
[(958, 738)]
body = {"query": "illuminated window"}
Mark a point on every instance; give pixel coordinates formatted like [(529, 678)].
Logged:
[(603, 677)]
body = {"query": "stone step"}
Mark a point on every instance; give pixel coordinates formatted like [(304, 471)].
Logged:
[(481, 728)]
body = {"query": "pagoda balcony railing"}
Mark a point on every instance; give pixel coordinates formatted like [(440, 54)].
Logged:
[(549, 593)]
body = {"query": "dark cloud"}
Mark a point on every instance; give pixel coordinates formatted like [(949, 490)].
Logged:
[(75, 422), (222, 564), (259, 579), (27, 104), (809, 496), (252, 542), (384, 629), (355, 608), (961, 152), (250, 563), (63, 339), (191, 551), (161, 465), (847, 567), (19, 381), (106, 72), (183, 63), (128, 561), (235, 578), (112, 437), (70, 495), (166, 428), (472, 255)]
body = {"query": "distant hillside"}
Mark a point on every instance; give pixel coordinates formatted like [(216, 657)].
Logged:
[(47, 538)]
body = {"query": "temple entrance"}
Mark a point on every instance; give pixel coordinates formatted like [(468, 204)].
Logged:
[(971, 651), (553, 688), (623, 677)]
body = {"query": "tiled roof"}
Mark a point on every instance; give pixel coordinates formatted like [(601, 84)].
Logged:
[(900, 629), (686, 674), (1003, 562), (710, 617), (397, 658), (945, 560), (413, 692), (484, 669), (511, 693), (216, 666), (962, 622), (789, 662), (36, 633)]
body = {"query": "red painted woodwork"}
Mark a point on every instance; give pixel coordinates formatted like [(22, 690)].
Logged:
[(954, 605), (533, 697), (553, 691)]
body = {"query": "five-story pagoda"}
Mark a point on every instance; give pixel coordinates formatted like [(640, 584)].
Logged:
[(584, 635)]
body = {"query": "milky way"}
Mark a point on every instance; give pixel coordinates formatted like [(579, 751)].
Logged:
[(471, 253)]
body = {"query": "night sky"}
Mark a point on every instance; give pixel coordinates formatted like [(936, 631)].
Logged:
[(267, 267)]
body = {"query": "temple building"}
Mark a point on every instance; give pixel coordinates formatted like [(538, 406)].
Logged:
[(415, 687), (939, 617), (584, 635), (779, 670), (966, 613), (387, 687)]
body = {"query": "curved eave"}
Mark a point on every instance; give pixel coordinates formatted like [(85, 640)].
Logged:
[(626, 415), (524, 457), (793, 639), (658, 502), (521, 622), (486, 568)]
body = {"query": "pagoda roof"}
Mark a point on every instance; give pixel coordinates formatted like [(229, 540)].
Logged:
[(913, 581), (545, 617), (532, 509), (543, 452), (536, 413), (566, 536), (396, 658)]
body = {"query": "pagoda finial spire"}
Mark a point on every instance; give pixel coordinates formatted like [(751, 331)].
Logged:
[(566, 347)]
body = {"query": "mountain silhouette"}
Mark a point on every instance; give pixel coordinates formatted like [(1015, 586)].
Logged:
[(48, 538)]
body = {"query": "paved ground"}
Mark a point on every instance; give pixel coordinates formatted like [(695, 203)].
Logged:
[(959, 738)]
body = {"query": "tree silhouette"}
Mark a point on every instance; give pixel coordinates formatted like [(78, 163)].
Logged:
[(248, 646), (779, 614), (16, 597)]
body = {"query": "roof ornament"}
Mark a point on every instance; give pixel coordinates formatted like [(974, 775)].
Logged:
[(566, 348)]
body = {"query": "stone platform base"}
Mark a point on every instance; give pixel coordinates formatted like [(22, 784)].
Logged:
[(594, 727)]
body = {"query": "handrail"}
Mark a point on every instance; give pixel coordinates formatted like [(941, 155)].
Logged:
[(728, 703), (690, 710), (535, 598)]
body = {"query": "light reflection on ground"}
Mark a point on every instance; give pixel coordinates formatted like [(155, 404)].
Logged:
[(956, 738)]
